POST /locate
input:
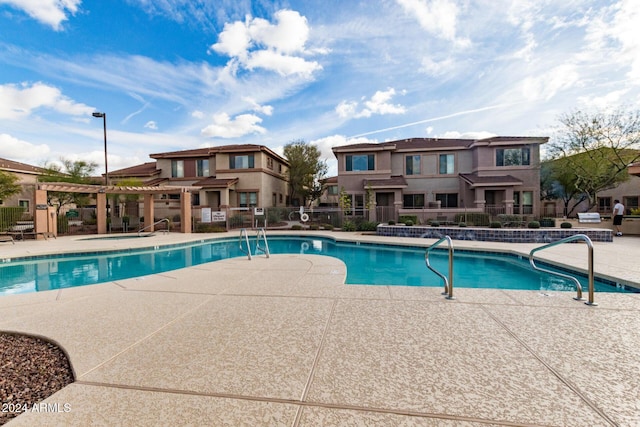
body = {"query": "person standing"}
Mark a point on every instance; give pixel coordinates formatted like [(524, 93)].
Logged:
[(618, 211)]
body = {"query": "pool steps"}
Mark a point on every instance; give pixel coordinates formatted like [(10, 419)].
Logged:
[(448, 282)]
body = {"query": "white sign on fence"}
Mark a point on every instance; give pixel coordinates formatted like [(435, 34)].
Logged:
[(206, 214), (258, 211), (218, 216)]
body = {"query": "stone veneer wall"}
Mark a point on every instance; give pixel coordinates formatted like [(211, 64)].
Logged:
[(507, 235)]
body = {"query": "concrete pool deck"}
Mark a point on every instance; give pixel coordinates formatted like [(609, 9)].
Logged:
[(282, 341)]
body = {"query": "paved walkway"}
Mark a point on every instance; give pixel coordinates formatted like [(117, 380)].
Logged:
[(282, 341)]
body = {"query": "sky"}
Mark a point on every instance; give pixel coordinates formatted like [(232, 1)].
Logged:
[(183, 74)]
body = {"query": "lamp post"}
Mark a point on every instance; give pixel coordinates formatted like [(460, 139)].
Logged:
[(104, 122)]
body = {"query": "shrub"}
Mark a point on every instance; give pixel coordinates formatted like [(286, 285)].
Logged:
[(327, 227), (405, 218), (435, 223), (547, 222), (391, 222), (209, 228), (367, 226), (566, 225), (533, 224), (296, 227), (635, 211), (479, 219), (348, 226), (495, 224), (314, 227), (462, 224), (408, 223)]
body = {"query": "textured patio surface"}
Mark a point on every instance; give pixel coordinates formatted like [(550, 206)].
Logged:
[(283, 341)]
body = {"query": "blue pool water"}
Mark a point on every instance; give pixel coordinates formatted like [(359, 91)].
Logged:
[(372, 264)]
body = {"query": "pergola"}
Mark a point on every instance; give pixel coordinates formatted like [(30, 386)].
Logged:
[(45, 213)]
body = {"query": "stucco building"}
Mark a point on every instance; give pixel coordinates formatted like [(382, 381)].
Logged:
[(446, 176)]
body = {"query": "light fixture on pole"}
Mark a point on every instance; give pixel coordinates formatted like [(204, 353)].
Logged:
[(104, 122)]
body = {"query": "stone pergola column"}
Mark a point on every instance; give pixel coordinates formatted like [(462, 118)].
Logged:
[(148, 211), (101, 212), (185, 212)]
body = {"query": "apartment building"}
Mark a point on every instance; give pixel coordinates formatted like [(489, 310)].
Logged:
[(243, 175), (27, 178), (498, 174)]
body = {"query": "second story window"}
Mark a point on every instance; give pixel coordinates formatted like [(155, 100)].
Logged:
[(241, 162), (413, 165), (177, 168), (513, 156), (202, 167), (270, 163), (360, 162), (332, 190), (447, 164)]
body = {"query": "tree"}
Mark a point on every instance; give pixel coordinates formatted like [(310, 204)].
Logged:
[(8, 185), (306, 171), (593, 150), (77, 172)]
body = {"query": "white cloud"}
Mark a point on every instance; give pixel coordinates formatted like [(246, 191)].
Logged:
[(467, 135), (267, 110), (617, 31), (378, 104), (224, 127), (151, 125), (437, 68), (604, 102), (547, 85), (437, 17), (48, 12), (197, 114), (256, 43), (22, 151), (20, 101)]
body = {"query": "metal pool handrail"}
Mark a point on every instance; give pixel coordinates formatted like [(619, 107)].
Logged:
[(566, 276), (264, 249), (155, 223), (448, 283), (243, 233)]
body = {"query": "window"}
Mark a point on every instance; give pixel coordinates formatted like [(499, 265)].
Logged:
[(270, 163), (630, 203), (413, 165), (413, 201), (24, 204), (248, 199), (446, 164), (202, 167), (523, 203), (604, 204), (195, 199), (447, 200), (241, 162), (177, 168), (332, 190), (360, 162), (513, 156)]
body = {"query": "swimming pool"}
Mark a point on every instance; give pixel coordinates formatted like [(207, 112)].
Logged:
[(371, 264)]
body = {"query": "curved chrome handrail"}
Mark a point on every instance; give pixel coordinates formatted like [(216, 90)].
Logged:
[(448, 283), (155, 223), (243, 233), (566, 276), (264, 249)]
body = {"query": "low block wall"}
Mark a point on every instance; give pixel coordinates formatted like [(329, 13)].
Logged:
[(507, 235)]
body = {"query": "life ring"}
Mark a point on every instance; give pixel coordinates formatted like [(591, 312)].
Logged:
[(304, 246), (304, 217)]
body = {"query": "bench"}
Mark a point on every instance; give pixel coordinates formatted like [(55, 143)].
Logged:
[(589, 217), (7, 238)]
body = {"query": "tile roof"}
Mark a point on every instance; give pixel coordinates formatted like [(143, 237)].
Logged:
[(480, 181), (213, 182), (145, 169), (12, 166), (212, 151), (393, 182)]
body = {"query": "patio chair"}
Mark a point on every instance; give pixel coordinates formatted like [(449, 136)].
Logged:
[(116, 224)]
